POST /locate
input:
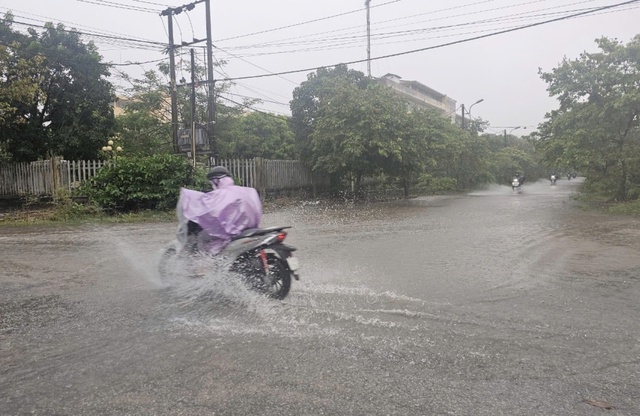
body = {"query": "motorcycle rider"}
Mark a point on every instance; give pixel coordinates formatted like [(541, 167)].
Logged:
[(222, 213), (520, 177)]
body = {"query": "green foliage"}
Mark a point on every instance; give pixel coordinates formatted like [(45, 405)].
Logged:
[(55, 95), (65, 208), (145, 125), (357, 133), (596, 130), (310, 96), (350, 126), (257, 134), (151, 182), (429, 184)]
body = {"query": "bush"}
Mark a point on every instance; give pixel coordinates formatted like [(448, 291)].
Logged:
[(435, 185), (150, 182)]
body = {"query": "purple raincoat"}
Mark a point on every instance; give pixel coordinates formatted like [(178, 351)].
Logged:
[(222, 213)]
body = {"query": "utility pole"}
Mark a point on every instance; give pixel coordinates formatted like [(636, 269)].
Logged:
[(367, 3), (462, 116), (193, 107), (212, 89), (172, 70)]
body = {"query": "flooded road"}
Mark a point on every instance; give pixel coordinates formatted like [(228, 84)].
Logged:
[(491, 303)]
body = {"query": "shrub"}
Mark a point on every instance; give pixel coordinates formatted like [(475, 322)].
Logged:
[(149, 182)]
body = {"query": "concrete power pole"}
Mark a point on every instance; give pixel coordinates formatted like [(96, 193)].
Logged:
[(462, 116), (174, 92), (212, 89), (367, 3), (193, 107)]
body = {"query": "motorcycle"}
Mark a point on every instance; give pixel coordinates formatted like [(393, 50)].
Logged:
[(258, 255), (553, 178), (516, 185)]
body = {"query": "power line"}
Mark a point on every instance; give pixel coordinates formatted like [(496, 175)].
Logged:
[(134, 40), (128, 63), (119, 6), (257, 66), (357, 38), (149, 2), (304, 23), (73, 24), (443, 44), (353, 44), (359, 27), (279, 117)]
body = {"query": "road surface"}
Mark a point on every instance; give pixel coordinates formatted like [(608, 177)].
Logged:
[(490, 303)]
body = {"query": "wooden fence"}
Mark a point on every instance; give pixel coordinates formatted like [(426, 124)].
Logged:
[(43, 178)]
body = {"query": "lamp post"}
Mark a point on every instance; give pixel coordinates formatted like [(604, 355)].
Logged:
[(505, 134), (471, 106), (469, 110), (111, 151)]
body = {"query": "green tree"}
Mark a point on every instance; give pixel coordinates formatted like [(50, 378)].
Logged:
[(310, 96), (258, 134), (69, 112), (357, 130), (597, 126), (145, 125)]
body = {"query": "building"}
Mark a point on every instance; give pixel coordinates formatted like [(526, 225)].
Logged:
[(419, 95)]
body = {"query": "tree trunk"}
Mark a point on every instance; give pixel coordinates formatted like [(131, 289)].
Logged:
[(405, 185), (621, 194)]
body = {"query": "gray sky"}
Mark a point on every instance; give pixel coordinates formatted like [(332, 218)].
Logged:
[(259, 37)]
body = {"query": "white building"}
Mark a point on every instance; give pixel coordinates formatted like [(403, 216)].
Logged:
[(421, 96)]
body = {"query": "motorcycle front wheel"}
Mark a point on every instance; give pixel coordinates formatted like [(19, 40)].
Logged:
[(167, 256)]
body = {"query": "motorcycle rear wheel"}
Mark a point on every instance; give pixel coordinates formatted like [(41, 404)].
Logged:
[(278, 281)]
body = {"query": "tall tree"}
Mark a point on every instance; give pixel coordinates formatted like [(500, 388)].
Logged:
[(69, 113), (258, 134), (145, 124), (597, 126), (310, 96), (357, 129)]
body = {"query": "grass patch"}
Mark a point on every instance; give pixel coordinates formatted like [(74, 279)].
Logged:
[(603, 204)]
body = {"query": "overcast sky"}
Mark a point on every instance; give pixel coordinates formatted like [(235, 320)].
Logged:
[(258, 37)]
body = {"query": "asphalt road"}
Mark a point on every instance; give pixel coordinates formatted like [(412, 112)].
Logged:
[(491, 303)]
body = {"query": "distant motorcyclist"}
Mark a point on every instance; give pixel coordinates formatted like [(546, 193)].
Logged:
[(520, 177)]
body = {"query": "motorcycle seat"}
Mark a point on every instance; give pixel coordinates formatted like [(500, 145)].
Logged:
[(250, 232)]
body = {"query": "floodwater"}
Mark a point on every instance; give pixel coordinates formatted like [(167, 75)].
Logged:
[(491, 303)]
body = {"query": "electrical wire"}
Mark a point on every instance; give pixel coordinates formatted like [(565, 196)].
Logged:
[(74, 25), (359, 27), (304, 23), (274, 114), (119, 6), (376, 36), (257, 66), (500, 32), (351, 45)]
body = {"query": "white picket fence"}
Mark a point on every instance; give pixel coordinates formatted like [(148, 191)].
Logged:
[(42, 178), (74, 172)]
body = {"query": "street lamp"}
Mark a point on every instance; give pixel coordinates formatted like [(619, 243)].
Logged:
[(505, 134), (469, 110), (477, 102)]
